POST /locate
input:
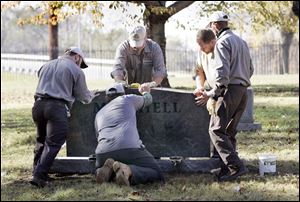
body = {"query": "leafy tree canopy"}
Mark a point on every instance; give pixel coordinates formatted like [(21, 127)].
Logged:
[(58, 11), (260, 15)]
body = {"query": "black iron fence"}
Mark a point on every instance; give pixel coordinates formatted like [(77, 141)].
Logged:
[(267, 60)]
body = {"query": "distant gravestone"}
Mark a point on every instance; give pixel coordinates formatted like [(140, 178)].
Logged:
[(247, 121)]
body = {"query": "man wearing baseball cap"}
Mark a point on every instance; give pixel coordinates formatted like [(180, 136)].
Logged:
[(78, 51), (61, 82), (228, 97), (139, 60), (120, 153), (218, 16)]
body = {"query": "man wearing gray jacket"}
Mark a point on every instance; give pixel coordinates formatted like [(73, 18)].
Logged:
[(61, 81), (228, 97), (120, 153), (139, 60)]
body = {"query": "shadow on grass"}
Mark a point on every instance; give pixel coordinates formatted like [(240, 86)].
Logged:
[(61, 187), (282, 167), (178, 186)]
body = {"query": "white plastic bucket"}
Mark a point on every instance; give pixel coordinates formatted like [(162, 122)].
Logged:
[(267, 163)]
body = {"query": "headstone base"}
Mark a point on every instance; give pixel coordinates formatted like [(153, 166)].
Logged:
[(83, 165), (248, 126)]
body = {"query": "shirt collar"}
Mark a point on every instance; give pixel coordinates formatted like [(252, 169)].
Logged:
[(222, 31)]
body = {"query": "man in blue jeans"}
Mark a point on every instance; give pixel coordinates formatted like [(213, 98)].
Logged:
[(120, 153), (61, 81)]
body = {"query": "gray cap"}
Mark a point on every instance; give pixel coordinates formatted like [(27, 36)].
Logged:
[(137, 36), (115, 88), (79, 52)]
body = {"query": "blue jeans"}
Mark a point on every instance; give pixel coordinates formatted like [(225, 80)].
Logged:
[(50, 118)]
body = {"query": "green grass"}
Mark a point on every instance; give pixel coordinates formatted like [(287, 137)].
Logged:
[(278, 114), (279, 136), (17, 90)]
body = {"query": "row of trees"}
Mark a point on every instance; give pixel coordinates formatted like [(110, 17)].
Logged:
[(262, 15)]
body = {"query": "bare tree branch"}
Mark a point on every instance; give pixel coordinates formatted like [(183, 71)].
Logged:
[(148, 3), (179, 5), (295, 8)]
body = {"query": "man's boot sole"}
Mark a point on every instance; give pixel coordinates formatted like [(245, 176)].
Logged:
[(121, 178), (104, 173)]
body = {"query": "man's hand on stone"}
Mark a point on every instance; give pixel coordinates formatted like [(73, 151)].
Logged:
[(124, 83), (201, 98), (198, 92), (151, 84), (200, 101), (96, 92), (144, 88)]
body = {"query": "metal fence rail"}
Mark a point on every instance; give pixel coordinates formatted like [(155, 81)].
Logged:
[(267, 60), (30, 64)]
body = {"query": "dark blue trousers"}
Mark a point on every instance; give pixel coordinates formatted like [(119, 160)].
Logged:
[(50, 118), (144, 167)]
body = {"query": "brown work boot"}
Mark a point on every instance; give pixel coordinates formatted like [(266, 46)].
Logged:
[(104, 173), (123, 173)]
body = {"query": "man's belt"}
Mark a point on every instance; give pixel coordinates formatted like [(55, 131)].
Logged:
[(36, 98)]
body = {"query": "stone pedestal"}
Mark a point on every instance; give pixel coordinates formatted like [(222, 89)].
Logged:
[(247, 121)]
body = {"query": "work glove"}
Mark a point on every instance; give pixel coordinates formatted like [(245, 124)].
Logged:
[(135, 85), (211, 106)]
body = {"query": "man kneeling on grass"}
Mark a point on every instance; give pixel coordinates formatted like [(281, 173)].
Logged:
[(120, 154)]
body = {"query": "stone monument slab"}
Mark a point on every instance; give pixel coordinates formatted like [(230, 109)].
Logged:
[(171, 126)]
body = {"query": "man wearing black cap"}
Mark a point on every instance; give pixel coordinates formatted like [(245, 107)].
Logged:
[(61, 81), (228, 97)]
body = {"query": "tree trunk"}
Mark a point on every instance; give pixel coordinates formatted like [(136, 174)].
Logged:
[(53, 35), (295, 8), (287, 38), (155, 23), (53, 41), (156, 31)]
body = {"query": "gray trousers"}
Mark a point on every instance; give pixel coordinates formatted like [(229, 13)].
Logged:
[(222, 127), (144, 167)]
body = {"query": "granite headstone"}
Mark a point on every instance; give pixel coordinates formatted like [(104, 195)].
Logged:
[(171, 126)]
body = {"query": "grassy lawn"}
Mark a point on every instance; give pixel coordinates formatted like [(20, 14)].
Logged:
[(278, 115), (17, 91)]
